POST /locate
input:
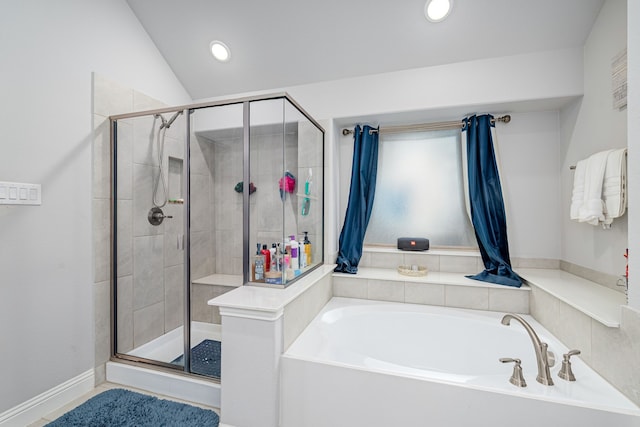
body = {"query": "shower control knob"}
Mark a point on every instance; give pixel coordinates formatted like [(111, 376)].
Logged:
[(156, 216)]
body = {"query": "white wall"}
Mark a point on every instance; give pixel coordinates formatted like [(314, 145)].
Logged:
[(530, 179), (49, 50), (472, 85), (589, 126), (522, 82), (633, 126)]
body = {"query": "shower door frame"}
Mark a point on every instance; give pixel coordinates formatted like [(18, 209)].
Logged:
[(187, 111)]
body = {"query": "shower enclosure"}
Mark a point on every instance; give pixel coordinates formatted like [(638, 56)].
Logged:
[(206, 198)]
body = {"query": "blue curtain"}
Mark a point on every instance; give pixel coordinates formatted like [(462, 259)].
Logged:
[(363, 185), (487, 205)]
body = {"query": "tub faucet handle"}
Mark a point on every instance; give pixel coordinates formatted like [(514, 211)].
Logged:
[(517, 378), (565, 371)]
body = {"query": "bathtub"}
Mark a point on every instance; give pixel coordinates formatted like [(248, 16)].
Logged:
[(369, 363)]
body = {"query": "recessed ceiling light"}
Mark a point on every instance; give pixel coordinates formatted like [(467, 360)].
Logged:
[(220, 51), (437, 10)]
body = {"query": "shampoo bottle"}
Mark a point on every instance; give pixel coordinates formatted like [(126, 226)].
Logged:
[(306, 245), (279, 261), (267, 257), (295, 259), (272, 257), (258, 264), (302, 255)]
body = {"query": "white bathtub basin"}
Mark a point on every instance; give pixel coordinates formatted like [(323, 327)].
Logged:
[(429, 365)]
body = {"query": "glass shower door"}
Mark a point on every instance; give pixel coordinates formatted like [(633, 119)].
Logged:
[(149, 251), (216, 224)]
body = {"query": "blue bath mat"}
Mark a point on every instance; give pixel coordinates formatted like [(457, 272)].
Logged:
[(205, 358), (124, 408)]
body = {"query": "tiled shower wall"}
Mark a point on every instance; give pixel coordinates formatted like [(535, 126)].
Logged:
[(268, 212), (217, 237), (202, 207), (110, 98), (150, 259)]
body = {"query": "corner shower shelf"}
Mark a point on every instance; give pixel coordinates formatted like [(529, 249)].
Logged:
[(230, 280), (596, 301)]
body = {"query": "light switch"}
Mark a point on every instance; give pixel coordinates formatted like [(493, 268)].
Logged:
[(16, 193)]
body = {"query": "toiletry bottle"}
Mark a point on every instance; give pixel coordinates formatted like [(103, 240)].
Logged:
[(295, 259), (302, 255), (259, 266), (286, 264), (306, 244), (278, 257), (288, 271), (267, 258), (272, 255), (287, 245)]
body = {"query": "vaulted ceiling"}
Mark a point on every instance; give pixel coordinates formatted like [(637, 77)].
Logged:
[(282, 43)]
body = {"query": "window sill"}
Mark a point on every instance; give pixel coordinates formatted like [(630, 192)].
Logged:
[(436, 251)]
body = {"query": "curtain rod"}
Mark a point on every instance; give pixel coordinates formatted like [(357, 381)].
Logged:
[(428, 126)]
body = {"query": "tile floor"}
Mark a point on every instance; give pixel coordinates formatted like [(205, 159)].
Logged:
[(99, 389)]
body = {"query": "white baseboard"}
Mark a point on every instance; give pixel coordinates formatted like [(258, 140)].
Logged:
[(33, 409)]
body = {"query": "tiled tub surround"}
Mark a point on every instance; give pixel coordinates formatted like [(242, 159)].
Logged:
[(445, 283), (612, 351), (568, 305), (436, 288), (372, 363)]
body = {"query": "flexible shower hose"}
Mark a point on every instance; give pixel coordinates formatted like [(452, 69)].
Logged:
[(160, 179)]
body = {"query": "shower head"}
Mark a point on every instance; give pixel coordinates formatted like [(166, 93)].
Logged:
[(165, 123)]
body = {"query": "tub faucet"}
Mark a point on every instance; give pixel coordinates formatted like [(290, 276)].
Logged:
[(544, 374)]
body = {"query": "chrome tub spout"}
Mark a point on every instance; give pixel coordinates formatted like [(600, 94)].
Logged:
[(544, 374)]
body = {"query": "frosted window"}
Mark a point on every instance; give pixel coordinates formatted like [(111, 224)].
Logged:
[(419, 191)]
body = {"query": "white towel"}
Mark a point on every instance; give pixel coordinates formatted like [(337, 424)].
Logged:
[(577, 195), (592, 209), (614, 185)]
